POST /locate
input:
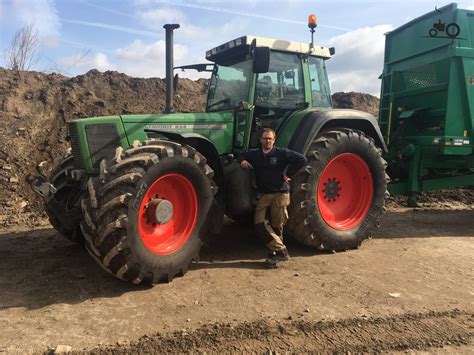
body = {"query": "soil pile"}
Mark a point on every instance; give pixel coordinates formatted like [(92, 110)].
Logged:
[(455, 199), (357, 101)]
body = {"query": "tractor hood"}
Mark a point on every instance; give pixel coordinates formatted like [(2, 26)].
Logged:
[(96, 138), (215, 126)]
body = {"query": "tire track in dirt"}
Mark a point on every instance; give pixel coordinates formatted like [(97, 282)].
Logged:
[(400, 332)]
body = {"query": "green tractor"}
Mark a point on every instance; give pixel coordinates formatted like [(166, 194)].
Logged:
[(143, 191)]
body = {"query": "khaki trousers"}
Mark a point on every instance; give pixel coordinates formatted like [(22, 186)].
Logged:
[(272, 231)]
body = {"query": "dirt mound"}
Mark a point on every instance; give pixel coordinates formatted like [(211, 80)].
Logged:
[(356, 100), (442, 199), (34, 109), (401, 332)]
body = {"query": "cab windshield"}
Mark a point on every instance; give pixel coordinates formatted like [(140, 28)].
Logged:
[(229, 85), (282, 86)]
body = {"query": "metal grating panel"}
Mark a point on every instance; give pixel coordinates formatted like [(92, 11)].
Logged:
[(421, 77), (75, 145), (102, 140)]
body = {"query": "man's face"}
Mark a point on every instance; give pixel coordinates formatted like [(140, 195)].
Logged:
[(268, 140)]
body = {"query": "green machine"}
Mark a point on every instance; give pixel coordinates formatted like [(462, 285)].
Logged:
[(427, 102), (143, 191)]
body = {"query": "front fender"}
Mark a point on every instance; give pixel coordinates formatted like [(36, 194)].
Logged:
[(202, 144)]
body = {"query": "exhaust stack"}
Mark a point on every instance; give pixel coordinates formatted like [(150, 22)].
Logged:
[(169, 67)]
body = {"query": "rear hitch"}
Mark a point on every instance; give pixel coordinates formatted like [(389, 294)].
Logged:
[(41, 186)]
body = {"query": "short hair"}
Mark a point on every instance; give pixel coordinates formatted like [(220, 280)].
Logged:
[(267, 129)]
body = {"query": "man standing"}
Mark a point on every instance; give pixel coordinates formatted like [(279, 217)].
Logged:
[(273, 168)]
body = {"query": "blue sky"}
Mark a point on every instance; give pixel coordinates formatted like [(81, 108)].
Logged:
[(128, 35)]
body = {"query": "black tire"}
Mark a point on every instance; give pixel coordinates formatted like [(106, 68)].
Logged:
[(64, 208), (112, 213), (306, 221)]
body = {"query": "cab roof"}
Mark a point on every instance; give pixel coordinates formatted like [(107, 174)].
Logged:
[(241, 45)]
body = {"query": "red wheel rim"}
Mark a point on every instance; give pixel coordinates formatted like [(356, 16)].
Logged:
[(345, 191), (169, 237)]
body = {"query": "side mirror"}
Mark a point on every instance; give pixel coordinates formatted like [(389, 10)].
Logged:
[(175, 82), (261, 59)]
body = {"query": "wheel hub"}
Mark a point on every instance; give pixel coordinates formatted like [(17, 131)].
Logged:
[(159, 211), (331, 189)]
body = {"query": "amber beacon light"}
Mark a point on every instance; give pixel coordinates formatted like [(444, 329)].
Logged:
[(312, 21)]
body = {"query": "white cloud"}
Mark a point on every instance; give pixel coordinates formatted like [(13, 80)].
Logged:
[(237, 14), (140, 59), (102, 63), (189, 32), (161, 16), (42, 14), (99, 61), (358, 61), (470, 7), (112, 27), (365, 81)]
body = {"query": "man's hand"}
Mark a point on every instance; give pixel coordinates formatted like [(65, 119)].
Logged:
[(245, 164), (286, 178)]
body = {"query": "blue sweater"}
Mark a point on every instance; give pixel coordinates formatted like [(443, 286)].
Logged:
[(270, 168)]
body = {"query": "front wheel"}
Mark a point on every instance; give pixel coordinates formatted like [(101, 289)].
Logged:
[(64, 208), (340, 195), (147, 212)]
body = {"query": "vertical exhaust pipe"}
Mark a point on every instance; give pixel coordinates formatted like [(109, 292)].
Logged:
[(169, 28)]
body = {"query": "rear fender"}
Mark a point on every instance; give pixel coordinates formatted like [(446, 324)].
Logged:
[(316, 121)]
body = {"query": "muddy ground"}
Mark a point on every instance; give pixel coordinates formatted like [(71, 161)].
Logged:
[(410, 287)]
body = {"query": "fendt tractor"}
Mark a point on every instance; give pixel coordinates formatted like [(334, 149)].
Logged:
[(143, 191)]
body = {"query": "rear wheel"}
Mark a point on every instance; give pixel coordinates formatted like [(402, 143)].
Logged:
[(340, 195), (147, 212), (64, 208)]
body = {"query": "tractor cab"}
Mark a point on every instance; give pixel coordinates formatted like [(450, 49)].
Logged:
[(264, 81)]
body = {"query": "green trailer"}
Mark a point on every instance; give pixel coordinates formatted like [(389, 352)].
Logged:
[(427, 102)]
